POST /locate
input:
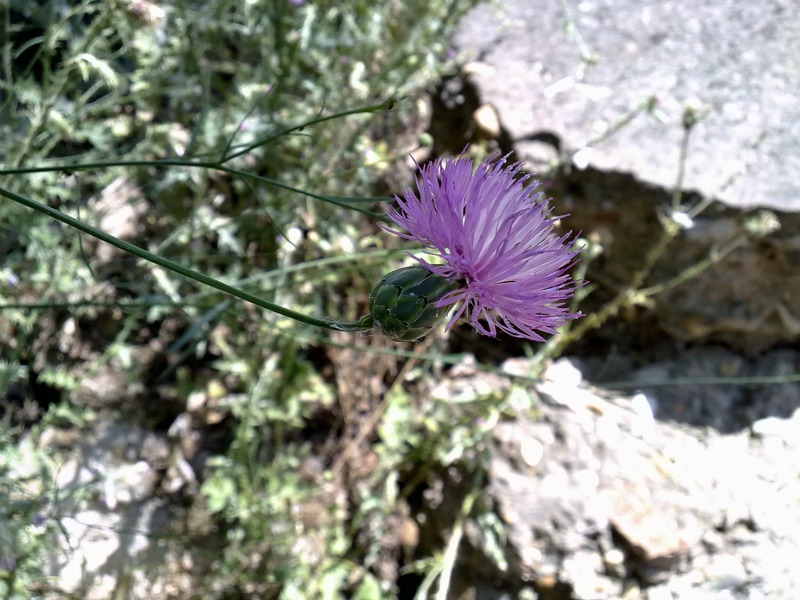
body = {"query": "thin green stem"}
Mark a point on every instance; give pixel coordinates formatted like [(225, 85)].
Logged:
[(361, 325), (125, 305), (714, 257), (534, 375), (720, 380), (178, 162), (451, 552), (385, 105)]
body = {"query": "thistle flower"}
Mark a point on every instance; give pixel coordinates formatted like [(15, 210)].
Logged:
[(506, 268)]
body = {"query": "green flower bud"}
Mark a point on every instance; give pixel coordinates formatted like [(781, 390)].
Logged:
[(403, 304)]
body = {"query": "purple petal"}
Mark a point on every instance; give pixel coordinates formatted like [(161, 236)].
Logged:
[(495, 236)]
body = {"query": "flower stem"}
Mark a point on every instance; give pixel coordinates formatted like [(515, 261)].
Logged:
[(192, 164), (360, 325)]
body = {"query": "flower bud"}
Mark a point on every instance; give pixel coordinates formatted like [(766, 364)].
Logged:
[(403, 303)]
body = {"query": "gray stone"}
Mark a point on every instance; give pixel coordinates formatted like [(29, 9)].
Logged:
[(725, 571), (115, 536), (616, 499), (574, 76)]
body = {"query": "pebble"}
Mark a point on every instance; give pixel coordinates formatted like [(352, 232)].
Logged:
[(725, 571), (614, 561)]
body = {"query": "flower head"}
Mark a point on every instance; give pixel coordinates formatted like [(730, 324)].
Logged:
[(495, 240)]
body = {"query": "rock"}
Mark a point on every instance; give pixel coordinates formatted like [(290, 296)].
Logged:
[(579, 71), (727, 407), (114, 522), (614, 500), (487, 121), (102, 553), (614, 563), (725, 571)]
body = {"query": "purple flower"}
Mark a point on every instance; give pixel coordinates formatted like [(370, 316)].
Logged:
[(496, 240)]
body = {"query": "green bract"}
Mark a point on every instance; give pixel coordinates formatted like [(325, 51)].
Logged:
[(403, 303)]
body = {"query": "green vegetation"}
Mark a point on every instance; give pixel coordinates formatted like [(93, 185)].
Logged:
[(251, 141)]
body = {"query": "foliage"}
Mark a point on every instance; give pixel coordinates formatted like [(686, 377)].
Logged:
[(24, 528), (243, 89)]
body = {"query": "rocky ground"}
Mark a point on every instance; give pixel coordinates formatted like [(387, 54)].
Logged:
[(607, 496)]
